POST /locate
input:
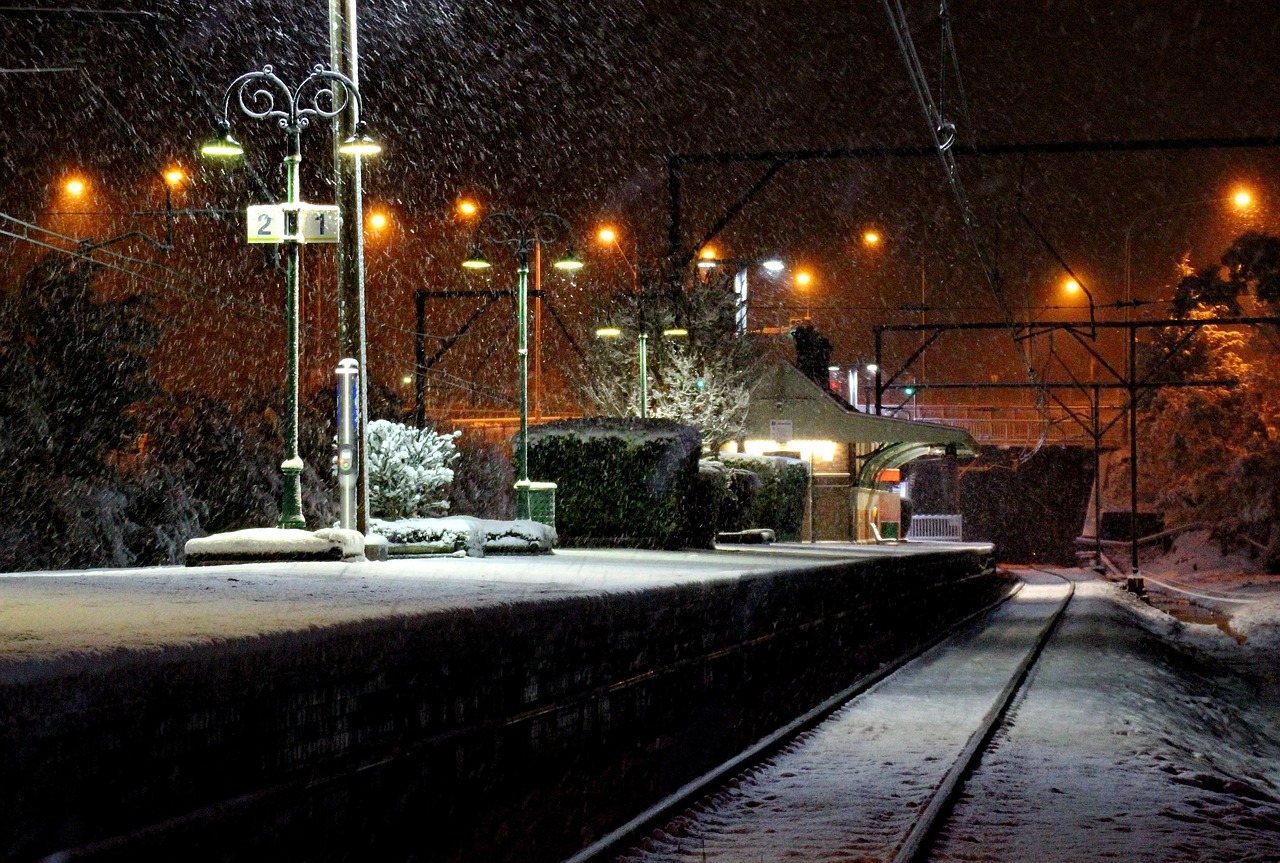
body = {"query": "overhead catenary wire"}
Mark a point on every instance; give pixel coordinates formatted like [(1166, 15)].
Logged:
[(943, 132)]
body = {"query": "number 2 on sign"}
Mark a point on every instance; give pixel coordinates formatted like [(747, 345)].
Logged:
[(264, 224)]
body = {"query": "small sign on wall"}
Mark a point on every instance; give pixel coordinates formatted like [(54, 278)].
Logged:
[(780, 431), (316, 223)]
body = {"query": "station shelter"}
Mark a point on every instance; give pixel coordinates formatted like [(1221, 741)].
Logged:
[(854, 457)]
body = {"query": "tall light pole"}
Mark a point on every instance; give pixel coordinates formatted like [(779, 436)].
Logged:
[(322, 95), (771, 264), (524, 236), (344, 57), (642, 359)]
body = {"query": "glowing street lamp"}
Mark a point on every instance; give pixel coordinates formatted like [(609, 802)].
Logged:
[(467, 208), (322, 95), (803, 278), (642, 347), (524, 236), (609, 236), (1241, 199), (871, 238), (74, 187)]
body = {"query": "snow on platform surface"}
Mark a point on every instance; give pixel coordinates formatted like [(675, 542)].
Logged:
[(46, 615)]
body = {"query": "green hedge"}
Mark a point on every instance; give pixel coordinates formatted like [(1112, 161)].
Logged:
[(779, 500), (704, 507), (621, 481)]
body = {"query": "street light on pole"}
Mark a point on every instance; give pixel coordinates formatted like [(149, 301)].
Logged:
[(322, 95), (642, 360), (771, 264), (525, 236), (1241, 199)]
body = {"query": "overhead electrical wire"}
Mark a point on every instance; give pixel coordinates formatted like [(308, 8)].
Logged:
[(943, 131)]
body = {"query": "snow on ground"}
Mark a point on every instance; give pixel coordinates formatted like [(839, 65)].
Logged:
[(1138, 738), (1196, 574), (327, 542), (1128, 745)]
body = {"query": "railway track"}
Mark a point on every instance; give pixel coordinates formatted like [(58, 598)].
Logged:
[(871, 773)]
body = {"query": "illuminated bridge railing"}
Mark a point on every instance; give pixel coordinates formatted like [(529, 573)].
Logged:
[(1022, 425)]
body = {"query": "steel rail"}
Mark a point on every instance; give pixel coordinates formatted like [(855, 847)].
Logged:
[(661, 812), (931, 817)]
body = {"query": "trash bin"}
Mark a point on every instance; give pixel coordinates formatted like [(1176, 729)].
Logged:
[(542, 500)]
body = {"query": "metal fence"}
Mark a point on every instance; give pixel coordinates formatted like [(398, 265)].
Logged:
[(937, 528)]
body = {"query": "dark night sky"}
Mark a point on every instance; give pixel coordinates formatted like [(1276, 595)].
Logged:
[(573, 106)]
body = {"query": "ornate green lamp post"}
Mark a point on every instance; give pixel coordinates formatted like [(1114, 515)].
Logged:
[(523, 235), (322, 95)]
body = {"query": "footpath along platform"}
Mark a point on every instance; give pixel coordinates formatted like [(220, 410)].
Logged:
[(504, 708)]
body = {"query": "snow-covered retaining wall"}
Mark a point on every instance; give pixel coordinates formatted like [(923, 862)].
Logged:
[(516, 732)]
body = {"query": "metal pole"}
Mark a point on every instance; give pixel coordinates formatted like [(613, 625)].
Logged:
[(344, 57), (291, 504), (419, 359), (1135, 575), (537, 330), (879, 366), (522, 351), (643, 341), (348, 371), (1097, 475)]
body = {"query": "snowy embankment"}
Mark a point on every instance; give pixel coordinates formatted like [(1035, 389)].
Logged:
[(1196, 573)]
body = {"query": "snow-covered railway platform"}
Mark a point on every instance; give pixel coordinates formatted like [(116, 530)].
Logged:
[(496, 708)]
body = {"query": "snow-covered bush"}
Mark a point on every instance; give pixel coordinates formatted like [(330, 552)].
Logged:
[(409, 470), (464, 536)]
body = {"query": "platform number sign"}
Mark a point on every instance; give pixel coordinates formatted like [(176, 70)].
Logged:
[(318, 223), (270, 223), (265, 223)]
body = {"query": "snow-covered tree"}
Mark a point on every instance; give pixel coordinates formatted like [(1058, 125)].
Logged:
[(708, 395), (409, 470), (1212, 454), (702, 379)]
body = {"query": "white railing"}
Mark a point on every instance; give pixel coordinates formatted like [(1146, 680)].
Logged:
[(936, 528)]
